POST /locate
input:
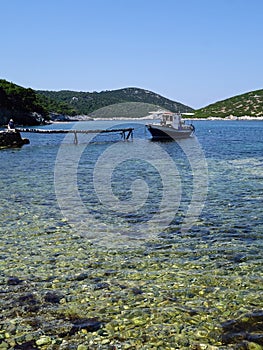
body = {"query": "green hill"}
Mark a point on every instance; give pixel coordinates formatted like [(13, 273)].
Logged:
[(20, 104), (29, 107), (85, 103), (25, 106), (248, 104), (125, 110)]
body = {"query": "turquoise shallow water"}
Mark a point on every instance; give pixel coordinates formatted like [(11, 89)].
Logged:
[(65, 278)]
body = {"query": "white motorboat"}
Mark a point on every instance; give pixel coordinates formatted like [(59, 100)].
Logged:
[(171, 127)]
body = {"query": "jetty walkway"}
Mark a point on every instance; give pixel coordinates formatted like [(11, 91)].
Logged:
[(126, 133)]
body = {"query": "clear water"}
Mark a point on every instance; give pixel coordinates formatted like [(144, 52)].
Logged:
[(157, 284)]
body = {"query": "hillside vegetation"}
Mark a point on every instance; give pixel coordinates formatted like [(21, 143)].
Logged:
[(20, 104), (25, 106), (29, 107), (248, 104), (125, 110), (84, 103)]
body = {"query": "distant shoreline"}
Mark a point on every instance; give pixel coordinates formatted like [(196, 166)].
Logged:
[(227, 118), (209, 118), (147, 118)]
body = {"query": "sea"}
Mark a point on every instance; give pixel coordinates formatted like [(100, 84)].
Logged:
[(108, 243)]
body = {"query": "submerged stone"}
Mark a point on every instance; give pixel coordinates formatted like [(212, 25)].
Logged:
[(29, 345), (247, 328), (137, 291), (52, 297), (29, 302), (13, 281), (89, 324), (43, 340), (79, 277), (101, 285)]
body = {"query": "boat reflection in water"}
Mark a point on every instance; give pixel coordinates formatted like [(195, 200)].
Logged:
[(171, 127)]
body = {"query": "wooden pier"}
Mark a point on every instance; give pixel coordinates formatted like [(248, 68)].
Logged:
[(125, 133)]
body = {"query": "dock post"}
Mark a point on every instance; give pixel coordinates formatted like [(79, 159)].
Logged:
[(128, 135), (75, 138)]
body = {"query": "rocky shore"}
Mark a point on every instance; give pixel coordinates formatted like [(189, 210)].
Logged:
[(12, 138)]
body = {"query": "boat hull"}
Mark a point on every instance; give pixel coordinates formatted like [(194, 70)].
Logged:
[(168, 133)]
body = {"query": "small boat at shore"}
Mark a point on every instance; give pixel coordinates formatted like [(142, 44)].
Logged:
[(171, 127)]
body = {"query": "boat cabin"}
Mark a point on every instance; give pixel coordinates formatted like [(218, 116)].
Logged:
[(171, 119)]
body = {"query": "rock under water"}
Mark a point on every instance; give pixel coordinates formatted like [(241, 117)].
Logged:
[(247, 328)]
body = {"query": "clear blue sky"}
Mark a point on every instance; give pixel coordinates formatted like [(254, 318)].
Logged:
[(192, 51)]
